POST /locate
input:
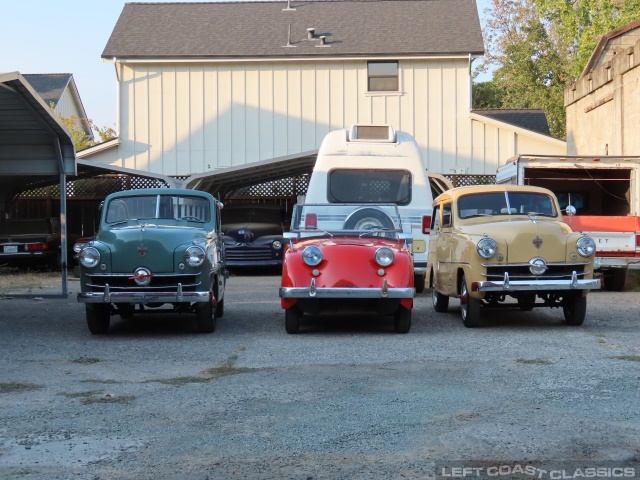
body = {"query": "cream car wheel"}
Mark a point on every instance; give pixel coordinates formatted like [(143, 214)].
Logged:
[(469, 306)]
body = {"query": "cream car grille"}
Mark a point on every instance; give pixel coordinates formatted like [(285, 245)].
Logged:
[(521, 271)]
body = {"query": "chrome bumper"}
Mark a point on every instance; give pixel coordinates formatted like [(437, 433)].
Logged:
[(314, 292), (507, 285), (142, 297), (604, 263)]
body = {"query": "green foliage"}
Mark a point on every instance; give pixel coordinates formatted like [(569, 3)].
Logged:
[(538, 47), (80, 138), (487, 95)]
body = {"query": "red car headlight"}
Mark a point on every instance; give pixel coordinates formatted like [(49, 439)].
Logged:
[(312, 255), (384, 256)]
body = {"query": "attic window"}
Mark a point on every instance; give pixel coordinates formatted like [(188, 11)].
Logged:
[(382, 76)]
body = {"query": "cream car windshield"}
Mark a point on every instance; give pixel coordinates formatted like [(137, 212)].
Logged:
[(491, 204), (168, 207)]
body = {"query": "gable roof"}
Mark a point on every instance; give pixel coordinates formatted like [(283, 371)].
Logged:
[(261, 29), (533, 119), (597, 57), (50, 86)]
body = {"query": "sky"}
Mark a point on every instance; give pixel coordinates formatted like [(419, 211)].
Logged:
[(68, 36)]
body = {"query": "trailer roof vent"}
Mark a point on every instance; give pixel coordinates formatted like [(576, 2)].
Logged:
[(372, 133)]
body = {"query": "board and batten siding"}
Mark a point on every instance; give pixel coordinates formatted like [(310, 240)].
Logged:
[(190, 117)]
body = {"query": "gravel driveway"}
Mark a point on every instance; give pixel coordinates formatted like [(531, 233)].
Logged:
[(345, 399)]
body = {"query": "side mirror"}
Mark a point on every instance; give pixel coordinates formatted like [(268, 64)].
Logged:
[(570, 210)]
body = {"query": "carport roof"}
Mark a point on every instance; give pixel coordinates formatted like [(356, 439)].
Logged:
[(35, 147), (223, 181)]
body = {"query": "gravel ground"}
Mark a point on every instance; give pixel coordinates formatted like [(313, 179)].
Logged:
[(345, 399)]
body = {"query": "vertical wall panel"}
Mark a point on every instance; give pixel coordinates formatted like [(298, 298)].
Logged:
[(155, 118), (407, 101), (183, 120), (266, 103), (350, 94), (224, 116), (141, 107), (169, 139), (196, 118), (323, 106), (280, 120), (238, 113), (308, 105), (449, 117), (252, 113), (463, 125), (336, 97), (210, 116), (435, 120), (128, 122), (294, 109)]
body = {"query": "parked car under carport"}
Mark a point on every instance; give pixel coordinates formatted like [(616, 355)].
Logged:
[(253, 235)]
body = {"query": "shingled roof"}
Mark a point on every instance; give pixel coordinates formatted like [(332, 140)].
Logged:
[(260, 29), (533, 119), (50, 86)]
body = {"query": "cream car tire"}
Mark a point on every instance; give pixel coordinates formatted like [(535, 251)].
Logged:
[(440, 301), (469, 306), (575, 309)]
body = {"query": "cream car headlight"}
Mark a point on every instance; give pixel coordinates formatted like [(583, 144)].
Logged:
[(312, 255), (586, 246), (89, 257), (384, 256), (194, 256), (487, 248)]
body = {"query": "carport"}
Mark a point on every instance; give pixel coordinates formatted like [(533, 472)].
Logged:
[(35, 150), (223, 182)]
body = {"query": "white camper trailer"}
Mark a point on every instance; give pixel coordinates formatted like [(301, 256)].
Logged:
[(375, 164)]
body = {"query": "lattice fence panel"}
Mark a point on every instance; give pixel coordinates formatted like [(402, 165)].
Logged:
[(286, 187), (468, 180), (96, 187)]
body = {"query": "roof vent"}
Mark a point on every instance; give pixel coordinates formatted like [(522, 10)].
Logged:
[(372, 133), (289, 8), (289, 44), (311, 33), (322, 41)]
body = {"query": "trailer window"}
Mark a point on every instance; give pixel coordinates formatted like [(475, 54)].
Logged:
[(369, 186)]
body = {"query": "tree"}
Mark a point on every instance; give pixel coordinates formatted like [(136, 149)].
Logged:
[(487, 95), (538, 47), (80, 138)]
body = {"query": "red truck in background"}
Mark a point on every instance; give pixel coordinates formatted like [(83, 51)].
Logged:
[(605, 192)]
